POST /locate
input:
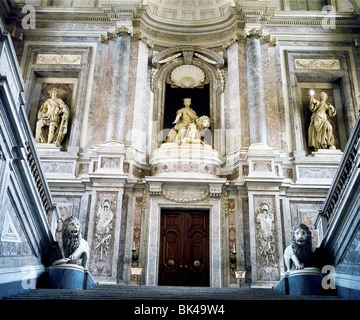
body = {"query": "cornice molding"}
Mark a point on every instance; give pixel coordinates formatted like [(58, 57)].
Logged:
[(137, 20)]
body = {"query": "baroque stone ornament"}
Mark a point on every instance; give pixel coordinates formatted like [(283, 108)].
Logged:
[(320, 130), (187, 76), (189, 128), (265, 219), (53, 118), (185, 196), (299, 254), (75, 248), (103, 228)]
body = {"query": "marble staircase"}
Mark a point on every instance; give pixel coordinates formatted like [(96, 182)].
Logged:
[(122, 292)]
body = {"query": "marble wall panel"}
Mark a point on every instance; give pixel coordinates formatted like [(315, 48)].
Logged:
[(304, 212), (65, 210), (129, 115), (102, 95), (137, 227), (266, 237), (232, 236), (352, 255), (102, 248), (13, 239), (271, 87), (246, 237), (123, 238)]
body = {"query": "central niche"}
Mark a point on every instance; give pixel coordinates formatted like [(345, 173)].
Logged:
[(187, 72), (200, 102)]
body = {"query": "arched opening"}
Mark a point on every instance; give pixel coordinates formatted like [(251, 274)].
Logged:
[(205, 91)]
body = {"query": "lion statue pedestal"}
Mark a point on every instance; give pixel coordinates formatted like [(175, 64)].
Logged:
[(301, 282), (71, 271), (70, 276)]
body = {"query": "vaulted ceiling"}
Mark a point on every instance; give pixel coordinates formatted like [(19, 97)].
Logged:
[(189, 11)]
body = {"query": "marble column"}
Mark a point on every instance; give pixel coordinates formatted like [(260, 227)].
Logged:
[(119, 88), (233, 109), (256, 103), (141, 105)]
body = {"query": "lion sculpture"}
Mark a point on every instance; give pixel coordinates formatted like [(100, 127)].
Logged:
[(197, 130), (299, 254), (75, 248)]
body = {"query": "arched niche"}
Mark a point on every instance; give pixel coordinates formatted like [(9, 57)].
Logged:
[(211, 64)]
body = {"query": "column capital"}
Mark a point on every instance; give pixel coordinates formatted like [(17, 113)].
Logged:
[(122, 27), (261, 34)]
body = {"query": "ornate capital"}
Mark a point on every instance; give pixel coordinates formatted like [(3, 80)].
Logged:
[(122, 27)]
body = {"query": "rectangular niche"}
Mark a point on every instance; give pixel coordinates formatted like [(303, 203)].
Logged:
[(66, 87), (337, 122)]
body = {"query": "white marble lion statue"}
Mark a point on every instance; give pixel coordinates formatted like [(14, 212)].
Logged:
[(197, 130), (299, 254), (75, 248)]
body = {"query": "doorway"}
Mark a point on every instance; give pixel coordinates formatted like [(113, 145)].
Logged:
[(184, 248)]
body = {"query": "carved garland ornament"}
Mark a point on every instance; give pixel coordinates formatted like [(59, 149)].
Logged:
[(185, 196)]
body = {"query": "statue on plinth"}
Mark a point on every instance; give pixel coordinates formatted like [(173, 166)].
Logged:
[(188, 128), (53, 119), (299, 254), (320, 130), (75, 248)]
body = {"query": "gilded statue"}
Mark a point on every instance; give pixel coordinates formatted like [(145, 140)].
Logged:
[(320, 130), (188, 126), (53, 119)]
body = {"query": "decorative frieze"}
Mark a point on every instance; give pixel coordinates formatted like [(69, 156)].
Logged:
[(184, 167), (58, 58), (318, 64), (185, 195), (58, 167), (317, 173)]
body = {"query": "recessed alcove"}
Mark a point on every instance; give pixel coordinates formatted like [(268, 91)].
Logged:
[(200, 102)]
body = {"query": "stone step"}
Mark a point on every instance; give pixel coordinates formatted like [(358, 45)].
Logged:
[(122, 292)]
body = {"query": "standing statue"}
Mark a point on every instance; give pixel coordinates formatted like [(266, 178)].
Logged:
[(265, 219), (53, 118), (320, 130), (188, 126)]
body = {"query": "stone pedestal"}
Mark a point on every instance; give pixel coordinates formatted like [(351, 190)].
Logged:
[(301, 282), (70, 276), (194, 158), (48, 147)]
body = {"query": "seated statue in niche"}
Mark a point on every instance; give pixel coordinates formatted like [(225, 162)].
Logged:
[(188, 128), (320, 130), (53, 119)]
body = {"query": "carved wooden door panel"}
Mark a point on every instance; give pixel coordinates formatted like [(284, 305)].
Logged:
[(184, 248)]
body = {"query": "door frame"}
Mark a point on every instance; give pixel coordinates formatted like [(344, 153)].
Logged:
[(153, 239)]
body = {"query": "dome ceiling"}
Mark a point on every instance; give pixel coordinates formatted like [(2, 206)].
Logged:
[(189, 11)]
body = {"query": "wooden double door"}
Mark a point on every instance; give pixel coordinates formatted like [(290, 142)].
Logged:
[(184, 248)]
